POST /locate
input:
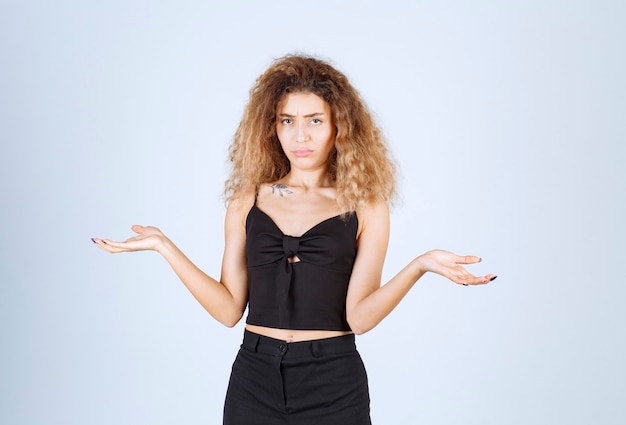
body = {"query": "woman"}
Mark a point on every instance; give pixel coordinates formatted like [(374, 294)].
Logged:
[(307, 227)]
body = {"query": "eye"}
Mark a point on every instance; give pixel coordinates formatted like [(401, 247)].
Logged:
[(287, 121), (316, 121)]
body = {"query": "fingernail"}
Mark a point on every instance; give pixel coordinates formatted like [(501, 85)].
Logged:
[(464, 284), (493, 278), (94, 240)]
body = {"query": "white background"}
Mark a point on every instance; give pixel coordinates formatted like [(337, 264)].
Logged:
[(505, 117)]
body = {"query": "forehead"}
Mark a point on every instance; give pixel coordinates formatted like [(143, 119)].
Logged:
[(305, 103)]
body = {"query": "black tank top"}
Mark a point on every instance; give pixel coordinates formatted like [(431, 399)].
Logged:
[(309, 294)]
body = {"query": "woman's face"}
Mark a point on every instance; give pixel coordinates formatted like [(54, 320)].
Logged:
[(305, 128)]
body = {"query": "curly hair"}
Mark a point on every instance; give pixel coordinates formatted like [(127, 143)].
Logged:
[(360, 166)]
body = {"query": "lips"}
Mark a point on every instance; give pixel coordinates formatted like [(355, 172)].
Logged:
[(302, 152)]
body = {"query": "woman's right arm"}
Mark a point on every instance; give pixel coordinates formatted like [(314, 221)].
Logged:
[(226, 299)]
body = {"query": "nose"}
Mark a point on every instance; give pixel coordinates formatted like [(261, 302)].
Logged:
[(302, 133)]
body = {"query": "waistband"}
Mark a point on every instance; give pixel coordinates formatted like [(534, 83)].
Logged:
[(317, 347)]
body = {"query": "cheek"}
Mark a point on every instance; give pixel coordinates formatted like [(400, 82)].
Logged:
[(283, 140), (282, 136), (330, 136), (282, 146)]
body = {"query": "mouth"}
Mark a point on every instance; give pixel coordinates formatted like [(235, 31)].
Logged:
[(302, 152)]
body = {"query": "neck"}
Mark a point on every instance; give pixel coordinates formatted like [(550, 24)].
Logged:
[(308, 179)]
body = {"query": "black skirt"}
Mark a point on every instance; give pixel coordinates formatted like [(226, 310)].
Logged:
[(312, 382)]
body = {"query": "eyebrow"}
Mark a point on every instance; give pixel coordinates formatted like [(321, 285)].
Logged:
[(314, 114)]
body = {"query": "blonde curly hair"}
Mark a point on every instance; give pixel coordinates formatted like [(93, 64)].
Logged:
[(359, 166)]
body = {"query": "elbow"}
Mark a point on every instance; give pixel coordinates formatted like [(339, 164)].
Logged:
[(230, 324), (229, 320), (360, 330), (359, 327)]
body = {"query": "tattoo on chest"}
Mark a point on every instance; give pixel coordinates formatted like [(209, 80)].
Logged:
[(281, 189)]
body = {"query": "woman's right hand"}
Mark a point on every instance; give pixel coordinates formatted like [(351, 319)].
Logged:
[(148, 238)]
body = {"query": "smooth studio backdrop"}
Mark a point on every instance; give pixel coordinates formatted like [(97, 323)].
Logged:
[(506, 119)]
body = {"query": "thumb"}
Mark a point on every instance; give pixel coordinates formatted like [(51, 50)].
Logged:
[(468, 259), (137, 228)]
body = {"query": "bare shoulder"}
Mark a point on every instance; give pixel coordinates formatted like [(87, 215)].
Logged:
[(239, 206), (373, 216)]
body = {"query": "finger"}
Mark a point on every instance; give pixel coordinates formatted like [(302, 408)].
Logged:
[(99, 243), (113, 244), (115, 247), (468, 259), (481, 280), (104, 245), (137, 228)]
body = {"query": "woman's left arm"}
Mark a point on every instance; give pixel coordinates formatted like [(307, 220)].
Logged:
[(367, 302)]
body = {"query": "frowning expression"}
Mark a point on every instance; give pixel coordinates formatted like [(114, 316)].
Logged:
[(305, 128)]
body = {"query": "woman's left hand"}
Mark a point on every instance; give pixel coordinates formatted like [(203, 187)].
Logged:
[(449, 265)]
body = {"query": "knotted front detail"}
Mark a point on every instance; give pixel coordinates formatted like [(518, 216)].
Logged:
[(292, 277), (291, 245)]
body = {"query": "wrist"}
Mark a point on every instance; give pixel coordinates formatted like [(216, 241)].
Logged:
[(418, 267), (164, 245)]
